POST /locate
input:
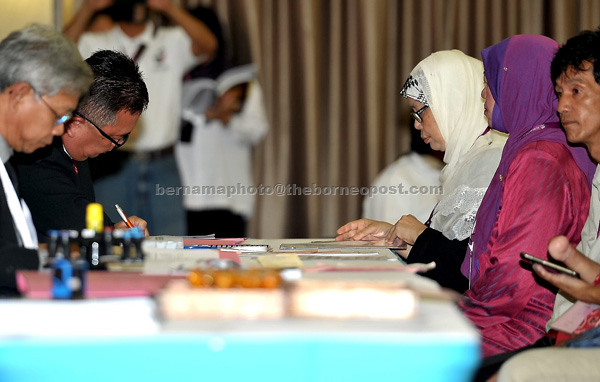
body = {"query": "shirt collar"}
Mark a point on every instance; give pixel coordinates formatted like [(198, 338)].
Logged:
[(66, 152), (596, 179), (5, 150)]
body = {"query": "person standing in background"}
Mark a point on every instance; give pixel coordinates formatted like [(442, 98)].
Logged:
[(223, 120), (219, 63), (164, 55)]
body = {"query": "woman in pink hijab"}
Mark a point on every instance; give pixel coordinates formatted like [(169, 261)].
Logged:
[(540, 190)]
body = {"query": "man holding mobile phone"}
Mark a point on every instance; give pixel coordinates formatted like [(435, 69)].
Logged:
[(579, 361), (549, 265)]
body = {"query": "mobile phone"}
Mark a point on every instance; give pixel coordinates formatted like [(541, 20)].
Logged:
[(556, 267)]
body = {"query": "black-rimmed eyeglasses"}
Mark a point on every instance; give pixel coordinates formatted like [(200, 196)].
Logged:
[(417, 114), (60, 119), (117, 144)]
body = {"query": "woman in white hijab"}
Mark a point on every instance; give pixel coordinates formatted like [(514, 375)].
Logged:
[(444, 92)]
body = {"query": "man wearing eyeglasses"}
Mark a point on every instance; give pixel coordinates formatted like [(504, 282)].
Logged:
[(165, 53), (42, 76), (56, 181)]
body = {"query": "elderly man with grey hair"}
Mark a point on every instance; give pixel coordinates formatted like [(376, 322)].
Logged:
[(42, 76)]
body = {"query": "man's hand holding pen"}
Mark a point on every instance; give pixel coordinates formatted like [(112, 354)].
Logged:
[(137, 222), (130, 222)]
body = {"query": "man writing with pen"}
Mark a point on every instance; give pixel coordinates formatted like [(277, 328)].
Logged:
[(55, 181)]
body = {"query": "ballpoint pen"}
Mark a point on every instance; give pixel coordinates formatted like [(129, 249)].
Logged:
[(123, 216)]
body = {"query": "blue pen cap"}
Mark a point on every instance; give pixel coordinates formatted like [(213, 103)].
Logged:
[(136, 232)]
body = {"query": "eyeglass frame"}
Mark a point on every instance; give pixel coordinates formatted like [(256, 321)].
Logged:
[(111, 139), (60, 119), (417, 114)]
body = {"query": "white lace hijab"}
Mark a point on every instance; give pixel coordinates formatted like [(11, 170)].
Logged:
[(452, 83)]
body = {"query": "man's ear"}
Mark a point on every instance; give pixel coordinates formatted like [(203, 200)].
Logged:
[(16, 93), (73, 125)]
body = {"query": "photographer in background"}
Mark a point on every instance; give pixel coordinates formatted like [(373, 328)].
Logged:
[(164, 55)]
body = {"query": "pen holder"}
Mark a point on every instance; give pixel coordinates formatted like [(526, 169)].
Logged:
[(95, 248), (131, 240), (62, 243)]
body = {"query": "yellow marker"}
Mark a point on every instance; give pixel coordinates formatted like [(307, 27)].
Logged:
[(94, 217)]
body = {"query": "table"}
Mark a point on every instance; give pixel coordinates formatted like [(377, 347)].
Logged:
[(436, 345)]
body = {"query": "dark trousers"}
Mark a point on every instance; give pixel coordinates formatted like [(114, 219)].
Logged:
[(223, 223)]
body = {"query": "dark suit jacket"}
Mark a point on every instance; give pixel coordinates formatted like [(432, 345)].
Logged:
[(56, 194), (12, 255)]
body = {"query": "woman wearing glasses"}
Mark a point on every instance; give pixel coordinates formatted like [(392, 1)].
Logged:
[(444, 92)]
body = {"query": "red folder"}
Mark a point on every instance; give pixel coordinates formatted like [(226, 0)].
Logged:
[(100, 284)]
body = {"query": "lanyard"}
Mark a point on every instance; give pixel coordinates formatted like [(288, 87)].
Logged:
[(139, 52), (19, 211)]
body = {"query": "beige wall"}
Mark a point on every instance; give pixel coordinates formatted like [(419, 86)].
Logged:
[(15, 14)]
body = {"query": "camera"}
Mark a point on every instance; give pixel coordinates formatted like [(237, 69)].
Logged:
[(133, 11)]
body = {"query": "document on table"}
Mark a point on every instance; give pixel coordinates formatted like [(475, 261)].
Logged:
[(328, 244), (280, 261), (337, 254), (160, 261), (177, 242)]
